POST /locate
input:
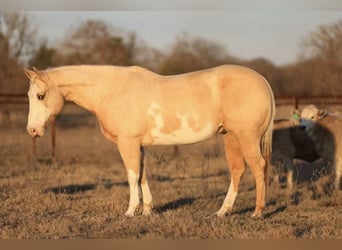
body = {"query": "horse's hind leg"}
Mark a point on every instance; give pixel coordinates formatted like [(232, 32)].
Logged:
[(250, 148), (146, 193), (237, 167)]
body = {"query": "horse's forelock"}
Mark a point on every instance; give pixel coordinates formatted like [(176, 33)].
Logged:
[(40, 85), (43, 76)]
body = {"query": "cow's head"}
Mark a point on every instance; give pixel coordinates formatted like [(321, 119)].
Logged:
[(310, 115)]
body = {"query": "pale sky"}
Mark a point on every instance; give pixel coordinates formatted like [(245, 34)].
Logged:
[(272, 34), (174, 5)]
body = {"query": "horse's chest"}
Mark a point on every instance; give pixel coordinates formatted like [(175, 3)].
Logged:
[(176, 127)]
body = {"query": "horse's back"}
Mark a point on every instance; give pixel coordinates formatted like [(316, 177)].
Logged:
[(239, 94)]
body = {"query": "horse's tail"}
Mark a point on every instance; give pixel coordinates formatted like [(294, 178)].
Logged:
[(266, 151), (266, 141)]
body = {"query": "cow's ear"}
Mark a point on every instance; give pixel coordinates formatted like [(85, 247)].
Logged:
[(322, 113)]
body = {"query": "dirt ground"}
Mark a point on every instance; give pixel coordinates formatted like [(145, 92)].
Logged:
[(83, 192)]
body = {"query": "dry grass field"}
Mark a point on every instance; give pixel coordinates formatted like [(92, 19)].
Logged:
[(83, 193)]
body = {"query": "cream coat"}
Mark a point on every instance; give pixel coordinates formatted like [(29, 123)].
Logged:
[(136, 107)]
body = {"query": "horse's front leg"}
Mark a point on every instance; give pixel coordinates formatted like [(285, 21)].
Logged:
[(129, 149)]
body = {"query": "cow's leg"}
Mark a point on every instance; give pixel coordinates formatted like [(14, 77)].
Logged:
[(237, 167), (289, 174), (337, 174), (250, 148), (277, 166), (331, 167), (337, 180), (146, 193), (130, 152)]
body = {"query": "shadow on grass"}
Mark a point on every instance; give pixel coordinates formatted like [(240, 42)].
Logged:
[(243, 211), (161, 178), (175, 204), (109, 185), (268, 215), (276, 211), (71, 189), (316, 192)]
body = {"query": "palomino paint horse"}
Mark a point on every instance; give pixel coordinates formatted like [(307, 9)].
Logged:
[(136, 107)]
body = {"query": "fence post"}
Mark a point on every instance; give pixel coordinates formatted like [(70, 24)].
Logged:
[(296, 99), (34, 152), (53, 142)]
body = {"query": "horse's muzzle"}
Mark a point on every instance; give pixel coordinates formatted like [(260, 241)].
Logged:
[(35, 132)]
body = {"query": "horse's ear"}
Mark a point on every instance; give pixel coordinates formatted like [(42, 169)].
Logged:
[(40, 74), (29, 73)]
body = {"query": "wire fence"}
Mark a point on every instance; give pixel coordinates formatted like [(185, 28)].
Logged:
[(12, 102)]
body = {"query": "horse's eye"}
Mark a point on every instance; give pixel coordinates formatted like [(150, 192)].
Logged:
[(40, 97)]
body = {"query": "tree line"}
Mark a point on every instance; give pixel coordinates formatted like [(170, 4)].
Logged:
[(318, 70)]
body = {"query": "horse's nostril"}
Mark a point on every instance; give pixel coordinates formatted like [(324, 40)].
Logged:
[(32, 131)]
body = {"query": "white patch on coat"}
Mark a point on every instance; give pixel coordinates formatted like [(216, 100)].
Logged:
[(228, 201), (133, 179), (183, 135), (38, 113), (231, 195)]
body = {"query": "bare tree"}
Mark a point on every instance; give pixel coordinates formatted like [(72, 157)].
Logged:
[(18, 34), (326, 43), (148, 57), (16, 44), (324, 47), (190, 53), (44, 56), (95, 42)]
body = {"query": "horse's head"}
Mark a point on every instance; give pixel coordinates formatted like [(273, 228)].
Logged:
[(45, 102)]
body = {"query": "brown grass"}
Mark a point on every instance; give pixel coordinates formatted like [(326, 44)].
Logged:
[(84, 193)]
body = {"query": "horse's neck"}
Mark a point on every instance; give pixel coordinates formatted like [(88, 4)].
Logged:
[(78, 84)]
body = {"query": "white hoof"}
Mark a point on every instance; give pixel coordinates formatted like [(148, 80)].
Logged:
[(222, 212), (130, 212)]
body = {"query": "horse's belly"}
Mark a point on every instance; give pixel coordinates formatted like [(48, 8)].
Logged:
[(185, 133), (186, 125)]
